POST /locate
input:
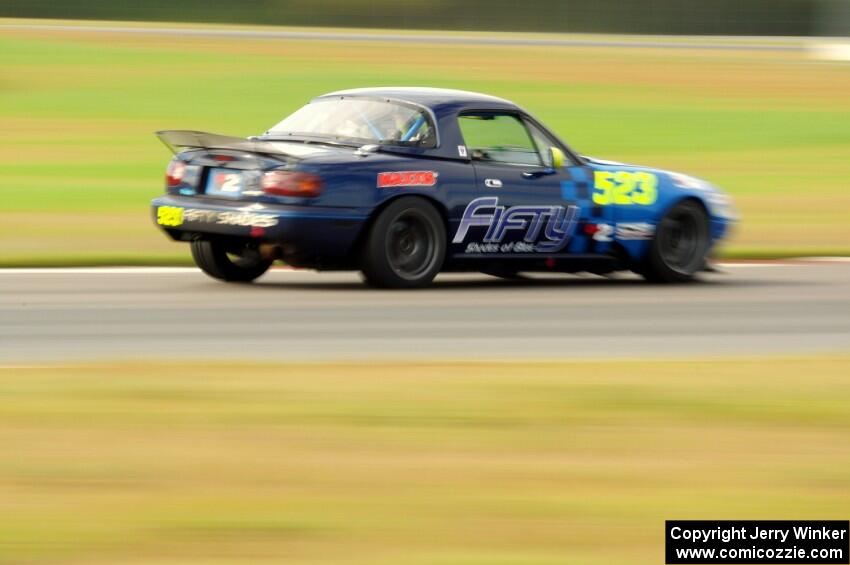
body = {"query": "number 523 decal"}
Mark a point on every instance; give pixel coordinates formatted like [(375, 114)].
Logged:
[(623, 187)]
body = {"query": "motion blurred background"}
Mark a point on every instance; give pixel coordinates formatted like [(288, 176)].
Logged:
[(677, 17), (766, 117), (492, 462)]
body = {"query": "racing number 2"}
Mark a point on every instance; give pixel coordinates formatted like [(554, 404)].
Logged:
[(623, 187), (230, 183)]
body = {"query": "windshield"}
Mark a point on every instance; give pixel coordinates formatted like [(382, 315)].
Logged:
[(361, 120)]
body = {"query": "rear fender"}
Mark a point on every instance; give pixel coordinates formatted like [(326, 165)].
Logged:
[(367, 225)]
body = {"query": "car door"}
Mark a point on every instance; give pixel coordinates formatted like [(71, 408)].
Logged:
[(525, 205)]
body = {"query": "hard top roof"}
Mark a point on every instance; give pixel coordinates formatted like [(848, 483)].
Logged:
[(433, 98)]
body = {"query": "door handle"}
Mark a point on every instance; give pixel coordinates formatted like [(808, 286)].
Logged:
[(540, 173), (492, 183)]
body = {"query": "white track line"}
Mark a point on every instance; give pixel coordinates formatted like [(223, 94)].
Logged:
[(113, 270), (749, 265), (828, 259), (100, 271)]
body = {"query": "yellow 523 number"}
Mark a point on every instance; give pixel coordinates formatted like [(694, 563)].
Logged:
[(623, 187), (169, 216)]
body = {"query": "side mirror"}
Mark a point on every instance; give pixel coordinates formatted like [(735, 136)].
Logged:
[(556, 157)]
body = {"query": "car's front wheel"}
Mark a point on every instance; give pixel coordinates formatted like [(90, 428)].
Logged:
[(229, 262), (678, 250), (405, 246)]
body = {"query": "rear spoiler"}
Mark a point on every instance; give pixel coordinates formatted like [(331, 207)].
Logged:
[(177, 140)]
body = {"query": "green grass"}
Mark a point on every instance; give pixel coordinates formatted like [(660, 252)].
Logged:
[(444, 464), (79, 162)]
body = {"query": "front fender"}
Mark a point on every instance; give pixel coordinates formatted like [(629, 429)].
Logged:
[(635, 216)]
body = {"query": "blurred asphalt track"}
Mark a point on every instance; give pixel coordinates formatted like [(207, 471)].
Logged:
[(55, 315), (582, 40)]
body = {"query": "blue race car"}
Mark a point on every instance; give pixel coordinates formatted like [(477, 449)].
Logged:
[(402, 183)]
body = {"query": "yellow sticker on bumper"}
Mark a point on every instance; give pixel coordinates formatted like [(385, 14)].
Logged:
[(169, 216)]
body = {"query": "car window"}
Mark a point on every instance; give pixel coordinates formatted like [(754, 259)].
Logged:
[(501, 138)]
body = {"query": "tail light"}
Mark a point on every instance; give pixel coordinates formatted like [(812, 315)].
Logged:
[(174, 173), (290, 183)]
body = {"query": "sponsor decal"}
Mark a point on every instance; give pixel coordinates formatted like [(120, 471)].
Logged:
[(461, 150), (634, 230), (624, 231), (603, 233), (545, 229), (228, 218), (624, 188), (406, 178)]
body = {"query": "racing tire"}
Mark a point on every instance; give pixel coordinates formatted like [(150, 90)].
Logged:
[(678, 250), (228, 262), (405, 246)]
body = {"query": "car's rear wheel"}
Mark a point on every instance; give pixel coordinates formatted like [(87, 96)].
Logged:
[(678, 250), (405, 246), (228, 261)]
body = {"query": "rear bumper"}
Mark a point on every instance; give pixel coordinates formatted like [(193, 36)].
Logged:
[(320, 231)]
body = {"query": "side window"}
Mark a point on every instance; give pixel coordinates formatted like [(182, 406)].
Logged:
[(500, 138)]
